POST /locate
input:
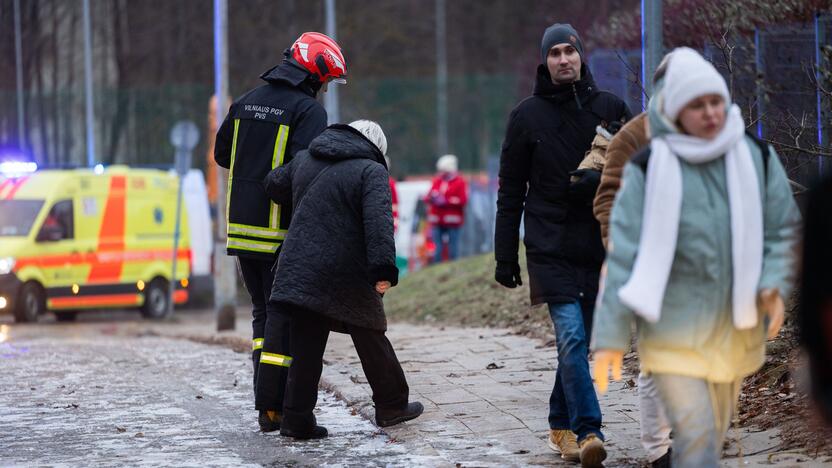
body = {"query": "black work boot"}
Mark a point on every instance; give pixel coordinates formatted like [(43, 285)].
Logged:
[(385, 418), (318, 432), (663, 462), (269, 420)]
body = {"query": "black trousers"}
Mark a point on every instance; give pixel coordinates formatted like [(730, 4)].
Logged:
[(270, 333), (378, 359)]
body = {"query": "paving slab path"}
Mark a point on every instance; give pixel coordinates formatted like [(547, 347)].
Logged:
[(485, 390), (486, 394)]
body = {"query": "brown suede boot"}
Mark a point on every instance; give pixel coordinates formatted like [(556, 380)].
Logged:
[(592, 452), (564, 442)]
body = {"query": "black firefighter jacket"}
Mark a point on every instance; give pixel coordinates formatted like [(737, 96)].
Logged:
[(340, 242), (547, 136), (264, 129)]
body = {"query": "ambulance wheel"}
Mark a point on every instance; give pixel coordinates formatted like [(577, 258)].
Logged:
[(66, 316), (156, 299), (31, 303)]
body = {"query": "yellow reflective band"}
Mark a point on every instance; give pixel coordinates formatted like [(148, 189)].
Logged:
[(280, 146), (256, 231), (251, 246), (275, 359), (256, 344), (278, 156), (231, 169)]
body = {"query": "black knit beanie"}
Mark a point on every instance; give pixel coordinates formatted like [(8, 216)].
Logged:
[(560, 34)]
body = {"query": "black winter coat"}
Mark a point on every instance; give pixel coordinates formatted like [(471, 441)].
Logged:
[(547, 136), (340, 242), (264, 129)]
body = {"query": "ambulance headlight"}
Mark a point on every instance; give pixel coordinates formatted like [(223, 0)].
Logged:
[(6, 265)]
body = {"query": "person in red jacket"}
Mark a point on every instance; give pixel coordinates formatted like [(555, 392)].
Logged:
[(395, 198), (446, 201)]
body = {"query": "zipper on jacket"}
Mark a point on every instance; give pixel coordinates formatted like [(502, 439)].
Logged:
[(577, 100)]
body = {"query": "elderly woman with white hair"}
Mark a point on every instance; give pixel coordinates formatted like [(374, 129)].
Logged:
[(337, 261), (701, 255), (446, 201)]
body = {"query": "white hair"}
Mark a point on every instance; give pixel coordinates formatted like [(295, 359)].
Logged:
[(447, 163), (373, 132)]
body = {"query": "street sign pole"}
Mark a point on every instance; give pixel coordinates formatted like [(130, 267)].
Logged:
[(184, 137), (88, 97), (18, 70), (225, 273), (331, 96)]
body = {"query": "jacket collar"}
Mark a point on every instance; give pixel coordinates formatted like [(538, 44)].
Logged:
[(292, 74), (578, 91), (340, 141)]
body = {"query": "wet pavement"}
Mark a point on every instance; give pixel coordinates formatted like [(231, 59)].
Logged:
[(86, 394), (116, 390)]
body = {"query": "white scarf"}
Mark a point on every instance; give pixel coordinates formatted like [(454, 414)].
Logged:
[(644, 291)]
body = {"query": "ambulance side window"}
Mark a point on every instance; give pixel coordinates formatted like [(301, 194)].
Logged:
[(58, 224)]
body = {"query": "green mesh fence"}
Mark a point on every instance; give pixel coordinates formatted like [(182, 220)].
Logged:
[(132, 125)]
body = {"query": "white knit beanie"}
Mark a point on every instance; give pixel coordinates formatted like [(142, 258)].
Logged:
[(447, 163), (688, 77), (373, 132)]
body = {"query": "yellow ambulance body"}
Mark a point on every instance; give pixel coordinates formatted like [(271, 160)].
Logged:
[(90, 239)]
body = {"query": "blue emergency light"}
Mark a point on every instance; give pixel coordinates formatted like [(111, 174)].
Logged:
[(12, 169)]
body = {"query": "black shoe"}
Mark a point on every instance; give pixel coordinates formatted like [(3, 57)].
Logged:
[(268, 424), (319, 432), (663, 462), (391, 418)]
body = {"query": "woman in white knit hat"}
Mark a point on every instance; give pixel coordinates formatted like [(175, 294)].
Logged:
[(701, 254)]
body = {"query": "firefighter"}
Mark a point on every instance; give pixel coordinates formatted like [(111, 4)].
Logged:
[(263, 130)]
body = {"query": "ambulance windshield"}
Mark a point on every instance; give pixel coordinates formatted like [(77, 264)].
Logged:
[(17, 216)]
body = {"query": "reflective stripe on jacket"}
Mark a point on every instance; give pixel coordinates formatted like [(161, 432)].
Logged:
[(263, 130)]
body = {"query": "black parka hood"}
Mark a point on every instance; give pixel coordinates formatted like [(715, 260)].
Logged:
[(339, 142), (291, 73)]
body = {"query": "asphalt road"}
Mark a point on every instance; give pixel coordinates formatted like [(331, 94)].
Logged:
[(105, 392)]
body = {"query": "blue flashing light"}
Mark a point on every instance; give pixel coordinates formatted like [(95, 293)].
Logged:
[(13, 169), (98, 169)]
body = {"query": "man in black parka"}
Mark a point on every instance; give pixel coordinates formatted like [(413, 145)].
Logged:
[(338, 259), (264, 129), (547, 136)]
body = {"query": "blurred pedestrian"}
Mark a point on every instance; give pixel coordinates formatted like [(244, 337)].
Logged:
[(338, 260), (548, 135), (816, 295), (264, 129), (701, 254), (394, 196), (634, 135), (446, 201)]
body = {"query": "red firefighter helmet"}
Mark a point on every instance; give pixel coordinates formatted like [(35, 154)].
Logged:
[(321, 56)]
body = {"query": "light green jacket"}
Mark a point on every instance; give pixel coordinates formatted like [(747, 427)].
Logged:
[(695, 335)]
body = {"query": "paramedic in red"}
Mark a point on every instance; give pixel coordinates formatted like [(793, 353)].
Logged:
[(446, 206), (395, 198)]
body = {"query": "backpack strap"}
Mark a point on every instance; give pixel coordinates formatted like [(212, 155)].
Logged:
[(642, 156), (764, 151)]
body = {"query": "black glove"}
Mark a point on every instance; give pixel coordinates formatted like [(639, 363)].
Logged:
[(586, 185), (508, 274)]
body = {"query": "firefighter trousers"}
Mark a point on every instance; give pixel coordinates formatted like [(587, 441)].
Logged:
[(270, 333), (378, 359)]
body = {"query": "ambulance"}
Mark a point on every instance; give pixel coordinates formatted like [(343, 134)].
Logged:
[(96, 238)]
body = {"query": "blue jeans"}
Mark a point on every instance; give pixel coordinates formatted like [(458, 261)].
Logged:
[(439, 234), (573, 404), (700, 413)]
